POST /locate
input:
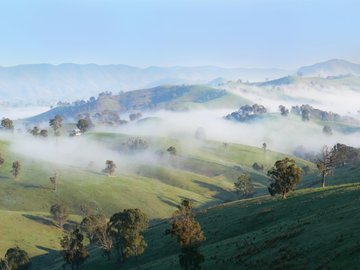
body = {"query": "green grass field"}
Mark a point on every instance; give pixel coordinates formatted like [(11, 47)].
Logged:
[(204, 173), (268, 233), (263, 233)]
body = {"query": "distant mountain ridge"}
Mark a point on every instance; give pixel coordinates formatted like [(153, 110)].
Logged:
[(44, 84), (334, 67)]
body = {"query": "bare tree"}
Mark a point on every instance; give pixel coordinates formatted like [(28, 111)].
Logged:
[(326, 164), (104, 241), (54, 181)]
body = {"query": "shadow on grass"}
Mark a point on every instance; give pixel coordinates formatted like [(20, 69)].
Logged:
[(220, 193), (34, 186), (50, 259), (68, 226), (48, 250), (40, 220), (168, 202), (95, 172)]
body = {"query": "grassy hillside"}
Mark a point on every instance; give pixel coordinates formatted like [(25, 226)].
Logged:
[(248, 233), (204, 173), (176, 98), (23, 228), (267, 233), (34, 232), (260, 233)]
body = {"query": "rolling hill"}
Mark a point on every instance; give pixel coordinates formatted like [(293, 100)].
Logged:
[(175, 98), (260, 233), (266, 233), (204, 173), (334, 67), (245, 233), (45, 84)]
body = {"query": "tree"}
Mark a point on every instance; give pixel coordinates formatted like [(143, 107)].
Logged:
[(172, 150), (127, 227), (60, 213), (345, 154), (189, 235), (17, 259), (326, 164), (83, 125), (16, 167), (4, 265), (327, 130), (191, 258), (85, 210), (35, 131), (43, 133), (285, 175), (283, 110), (54, 181), (264, 146), (7, 123), (135, 116), (247, 112), (258, 167), (305, 113), (104, 240), (91, 224), (56, 124), (73, 249), (2, 160), (135, 144), (110, 167), (244, 186)]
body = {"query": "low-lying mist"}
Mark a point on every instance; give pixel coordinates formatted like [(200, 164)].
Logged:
[(80, 151), (338, 99), (282, 134)]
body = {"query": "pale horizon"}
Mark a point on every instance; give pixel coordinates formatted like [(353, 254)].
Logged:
[(261, 34), (182, 66)]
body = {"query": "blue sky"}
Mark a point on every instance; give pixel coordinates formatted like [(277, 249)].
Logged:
[(228, 33)]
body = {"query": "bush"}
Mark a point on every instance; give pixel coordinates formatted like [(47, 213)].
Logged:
[(258, 167)]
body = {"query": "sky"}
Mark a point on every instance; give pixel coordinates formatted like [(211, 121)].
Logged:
[(228, 33)]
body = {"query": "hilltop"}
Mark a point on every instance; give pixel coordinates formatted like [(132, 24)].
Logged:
[(174, 98), (333, 67)]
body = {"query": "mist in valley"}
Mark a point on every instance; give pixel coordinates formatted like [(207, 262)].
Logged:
[(327, 96), (281, 134)]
